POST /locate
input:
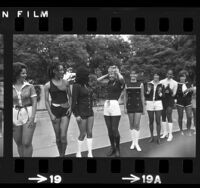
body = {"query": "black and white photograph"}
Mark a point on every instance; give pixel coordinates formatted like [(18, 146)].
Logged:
[(103, 96), (1, 94)]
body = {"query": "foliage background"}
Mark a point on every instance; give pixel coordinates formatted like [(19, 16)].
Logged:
[(146, 53)]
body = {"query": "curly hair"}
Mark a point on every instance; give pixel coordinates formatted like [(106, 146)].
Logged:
[(54, 66), (17, 69), (183, 73), (82, 75)]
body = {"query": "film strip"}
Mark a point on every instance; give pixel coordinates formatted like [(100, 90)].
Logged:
[(93, 21)]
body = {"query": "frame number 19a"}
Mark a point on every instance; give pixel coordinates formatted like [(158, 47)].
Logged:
[(151, 179)]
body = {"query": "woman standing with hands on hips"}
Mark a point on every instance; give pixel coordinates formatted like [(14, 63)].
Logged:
[(82, 108), (134, 106), (24, 110), (112, 112), (60, 107)]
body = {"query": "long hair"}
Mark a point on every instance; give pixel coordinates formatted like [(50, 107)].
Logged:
[(52, 68), (17, 69), (82, 75)]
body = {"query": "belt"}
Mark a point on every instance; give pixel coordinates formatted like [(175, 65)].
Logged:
[(64, 105), (17, 107)]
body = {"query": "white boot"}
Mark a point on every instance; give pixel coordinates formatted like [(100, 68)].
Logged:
[(136, 140), (89, 145), (164, 125), (170, 132), (80, 143), (133, 139)]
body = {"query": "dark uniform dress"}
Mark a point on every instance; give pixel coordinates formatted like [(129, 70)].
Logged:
[(82, 101), (134, 101), (184, 100), (58, 97)]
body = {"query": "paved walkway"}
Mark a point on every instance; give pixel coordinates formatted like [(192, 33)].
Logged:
[(44, 139)]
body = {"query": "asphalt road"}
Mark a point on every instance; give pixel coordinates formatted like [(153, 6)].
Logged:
[(44, 140)]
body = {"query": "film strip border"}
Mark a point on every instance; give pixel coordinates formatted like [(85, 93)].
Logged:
[(99, 21), (102, 170)]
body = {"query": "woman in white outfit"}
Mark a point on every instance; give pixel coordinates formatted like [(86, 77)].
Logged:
[(154, 107), (24, 110)]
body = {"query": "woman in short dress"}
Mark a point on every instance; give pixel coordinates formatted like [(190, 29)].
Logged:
[(134, 106), (59, 108), (184, 101), (24, 110), (170, 88), (82, 108), (112, 112), (153, 96)]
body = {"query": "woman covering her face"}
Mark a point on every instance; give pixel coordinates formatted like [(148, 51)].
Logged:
[(112, 112)]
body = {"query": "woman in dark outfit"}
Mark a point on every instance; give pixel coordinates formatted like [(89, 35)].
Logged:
[(60, 108), (134, 106), (112, 112), (82, 107), (153, 95), (184, 101)]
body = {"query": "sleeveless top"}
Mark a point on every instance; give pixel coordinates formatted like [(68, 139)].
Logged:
[(133, 90), (57, 96)]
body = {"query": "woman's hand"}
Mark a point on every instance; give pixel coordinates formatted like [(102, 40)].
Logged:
[(30, 122), (143, 112), (78, 119), (160, 91), (117, 70), (125, 110), (53, 118), (69, 111)]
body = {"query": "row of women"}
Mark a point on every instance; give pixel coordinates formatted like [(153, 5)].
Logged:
[(157, 97)]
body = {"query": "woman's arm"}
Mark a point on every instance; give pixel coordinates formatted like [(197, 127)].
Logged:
[(68, 92), (175, 89), (33, 97), (102, 78), (142, 97), (47, 103), (34, 101), (119, 76), (69, 97), (75, 95), (125, 100)]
